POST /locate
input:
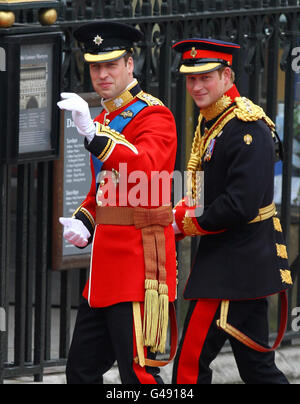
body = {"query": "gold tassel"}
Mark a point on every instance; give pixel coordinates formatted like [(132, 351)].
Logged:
[(150, 312), (163, 318)]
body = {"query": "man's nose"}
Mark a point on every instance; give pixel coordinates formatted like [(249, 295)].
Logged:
[(102, 72), (198, 85)]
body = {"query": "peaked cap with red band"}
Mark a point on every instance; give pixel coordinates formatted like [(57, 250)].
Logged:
[(200, 55)]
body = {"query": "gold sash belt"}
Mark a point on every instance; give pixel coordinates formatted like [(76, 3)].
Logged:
[(139, 217)]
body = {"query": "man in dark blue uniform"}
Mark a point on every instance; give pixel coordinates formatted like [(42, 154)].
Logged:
[(242, 256)]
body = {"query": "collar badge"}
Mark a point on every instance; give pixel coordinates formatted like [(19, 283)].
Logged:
[(118, 102)]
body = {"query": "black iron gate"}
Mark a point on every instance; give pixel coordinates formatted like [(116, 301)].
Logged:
[(36, 303)]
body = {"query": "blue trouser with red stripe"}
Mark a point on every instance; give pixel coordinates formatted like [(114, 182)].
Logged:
[(202, 340), (101, 337)]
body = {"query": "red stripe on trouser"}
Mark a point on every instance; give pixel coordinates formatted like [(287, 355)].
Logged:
[(143, 376), (194, 338)]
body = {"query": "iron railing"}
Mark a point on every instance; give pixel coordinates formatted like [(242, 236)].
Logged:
[(39, 302)]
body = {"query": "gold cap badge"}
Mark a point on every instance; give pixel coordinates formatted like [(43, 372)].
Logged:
[(193, 52)]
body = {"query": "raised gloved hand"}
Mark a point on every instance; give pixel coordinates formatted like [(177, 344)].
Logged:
[(80, 114), (75, 231)]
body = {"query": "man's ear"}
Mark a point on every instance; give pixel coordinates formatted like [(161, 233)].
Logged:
[(130, 65), (227, 73)]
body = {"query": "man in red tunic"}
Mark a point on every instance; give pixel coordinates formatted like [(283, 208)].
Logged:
[(127, 216)]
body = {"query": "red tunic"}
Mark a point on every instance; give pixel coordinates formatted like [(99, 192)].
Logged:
[(117, 269)]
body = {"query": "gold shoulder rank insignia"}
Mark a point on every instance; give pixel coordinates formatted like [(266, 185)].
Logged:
[(149, 99), (248, 139)]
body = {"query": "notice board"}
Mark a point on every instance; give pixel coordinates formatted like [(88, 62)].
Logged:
[(72, 181)]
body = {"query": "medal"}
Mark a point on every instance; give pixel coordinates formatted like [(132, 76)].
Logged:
[(210, 150)]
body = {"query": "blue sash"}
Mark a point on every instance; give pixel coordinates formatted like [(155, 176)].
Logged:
[(118, 124)]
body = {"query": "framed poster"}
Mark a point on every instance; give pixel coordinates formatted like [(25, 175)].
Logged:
[(72, 181), (31, 85), (35, 114)]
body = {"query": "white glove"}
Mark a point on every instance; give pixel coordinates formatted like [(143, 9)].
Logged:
[(175, 228), (75, 231), (80, 114)]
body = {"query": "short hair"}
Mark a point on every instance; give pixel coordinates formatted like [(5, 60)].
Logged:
[(232, 73), (128, 55)]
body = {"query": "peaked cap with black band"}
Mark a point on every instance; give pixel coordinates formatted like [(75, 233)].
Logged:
[(200, 55), (106, 41)]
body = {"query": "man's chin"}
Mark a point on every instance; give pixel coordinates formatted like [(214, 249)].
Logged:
[(201, 102), (202, 105), (105, 93)]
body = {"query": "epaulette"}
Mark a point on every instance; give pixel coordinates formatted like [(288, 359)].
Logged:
[(149, 99), (247, 111)]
